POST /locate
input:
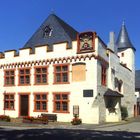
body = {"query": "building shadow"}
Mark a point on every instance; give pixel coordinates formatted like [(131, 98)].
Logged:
[(66, 134)]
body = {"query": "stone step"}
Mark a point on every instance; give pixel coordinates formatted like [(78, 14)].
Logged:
[(16, 120)]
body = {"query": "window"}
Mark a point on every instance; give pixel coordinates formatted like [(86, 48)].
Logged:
[(78, 72), (40, 101), (61, 102), (41, 75), (103, 77), (61, 73), (24, 76), (9, 77), (9, 101), (122, 54)]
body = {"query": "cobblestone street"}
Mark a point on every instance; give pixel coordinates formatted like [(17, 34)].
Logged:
[(114, 131)]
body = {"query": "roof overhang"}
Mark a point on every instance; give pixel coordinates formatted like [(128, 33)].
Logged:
[(112, 93)]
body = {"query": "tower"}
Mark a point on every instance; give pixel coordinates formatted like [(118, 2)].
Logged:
[(126, 50)]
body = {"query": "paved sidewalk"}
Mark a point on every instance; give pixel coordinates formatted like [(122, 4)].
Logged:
[(61, 125)]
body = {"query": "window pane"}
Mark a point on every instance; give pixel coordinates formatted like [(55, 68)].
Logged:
[(11, 96), (65, 68), (44, 70), (64, 96), (37, 105), (57, 105), (37, 97), (27, 71), (44, 106), (44, 97), (7, 73), (7, 81), (11, 72), (38, 78), (27, 80), (11, 104), (6, 104), (21, 79), (6, 96), (64, 106), (58, 68), (12, 80), (44, 79), (38, 70), (64, 77), (58, 77), (57, 96), (21, 71)]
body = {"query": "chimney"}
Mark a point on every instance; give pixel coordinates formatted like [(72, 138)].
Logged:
[(111, 44)]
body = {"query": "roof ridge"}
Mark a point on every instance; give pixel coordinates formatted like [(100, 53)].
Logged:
[(60, 32), (61, 22)]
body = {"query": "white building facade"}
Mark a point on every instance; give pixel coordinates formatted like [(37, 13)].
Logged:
[(63, 72)]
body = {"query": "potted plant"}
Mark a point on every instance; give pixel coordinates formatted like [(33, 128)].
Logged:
[(38, 119), (124, 112), (5, 118), (76, 120)]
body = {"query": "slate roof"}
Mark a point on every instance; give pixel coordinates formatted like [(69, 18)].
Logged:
[(112, 93), (123, 41), (137, 80), (61, 32)]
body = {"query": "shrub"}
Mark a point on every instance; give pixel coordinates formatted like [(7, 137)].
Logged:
[(38, 119), (124, 112), (5, 118), (28, 118), (76, 120)]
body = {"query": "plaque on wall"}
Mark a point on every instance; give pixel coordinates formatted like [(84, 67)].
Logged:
[(86, 42), (88, 93), (76, 110)]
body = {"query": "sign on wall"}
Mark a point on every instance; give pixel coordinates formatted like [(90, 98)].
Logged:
[(76, 110), (88, 93), (86, 42)]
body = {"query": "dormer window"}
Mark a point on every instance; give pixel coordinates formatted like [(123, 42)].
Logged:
[(47, 31)]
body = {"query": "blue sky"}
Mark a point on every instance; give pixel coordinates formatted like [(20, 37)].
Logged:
[(19, 19)]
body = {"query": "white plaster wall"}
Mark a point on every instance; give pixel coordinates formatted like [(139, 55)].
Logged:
[(129, 58), (88, 113), (113, 117)]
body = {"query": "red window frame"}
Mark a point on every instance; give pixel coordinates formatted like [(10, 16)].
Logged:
[(61, 102), (9, 103), (40, 100), (9, 77), (24, 76), (61, 74), (103, 75), (41, 75)]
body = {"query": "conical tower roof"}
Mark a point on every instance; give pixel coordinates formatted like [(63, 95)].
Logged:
[(53, 30), (123, 41)]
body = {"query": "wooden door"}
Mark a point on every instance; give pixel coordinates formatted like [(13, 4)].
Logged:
[(24, 105)]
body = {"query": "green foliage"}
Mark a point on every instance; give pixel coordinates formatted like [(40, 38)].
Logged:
[(37, 119), (124, 112), (5, 118), (76, 120)]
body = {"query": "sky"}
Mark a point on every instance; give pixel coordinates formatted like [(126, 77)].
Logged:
[(19, 19)]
